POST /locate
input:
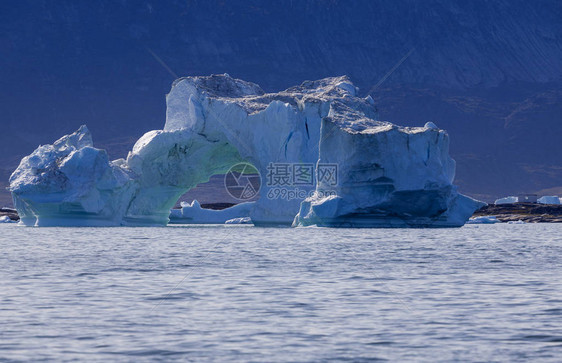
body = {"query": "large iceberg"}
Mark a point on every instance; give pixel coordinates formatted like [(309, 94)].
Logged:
[(379, 174)]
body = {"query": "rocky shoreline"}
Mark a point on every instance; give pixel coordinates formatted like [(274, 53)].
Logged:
[(525, 212), (10, 213)]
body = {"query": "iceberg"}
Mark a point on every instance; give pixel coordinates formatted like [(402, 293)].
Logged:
[(71, 183), (6, 219), (507, 200), (483, 220), (391, 176), (194, 214), (240, 220), (322, 155), (549, 199)]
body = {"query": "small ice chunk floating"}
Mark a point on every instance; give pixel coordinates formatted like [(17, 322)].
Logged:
[(193, 213), (387, 175)]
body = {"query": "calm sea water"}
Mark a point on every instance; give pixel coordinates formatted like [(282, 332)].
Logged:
[(235, 293)]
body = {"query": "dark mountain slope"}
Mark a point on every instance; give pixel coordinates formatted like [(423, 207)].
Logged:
[(487, 71)]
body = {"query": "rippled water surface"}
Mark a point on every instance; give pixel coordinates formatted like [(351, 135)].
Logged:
[(217, 293)]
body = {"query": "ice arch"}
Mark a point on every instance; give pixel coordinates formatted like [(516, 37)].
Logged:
[(213, 123), (389, 176), (167, 164)]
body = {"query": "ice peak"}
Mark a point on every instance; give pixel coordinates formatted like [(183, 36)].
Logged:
[(430, 125), (78, 139)]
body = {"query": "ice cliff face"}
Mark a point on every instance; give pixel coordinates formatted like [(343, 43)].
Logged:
[(389, 177), (386, 175)]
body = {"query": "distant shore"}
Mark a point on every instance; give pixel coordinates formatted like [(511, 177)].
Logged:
[(526, 212)]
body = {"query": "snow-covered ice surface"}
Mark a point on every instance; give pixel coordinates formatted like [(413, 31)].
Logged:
[(194, 214), (387, 176)]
